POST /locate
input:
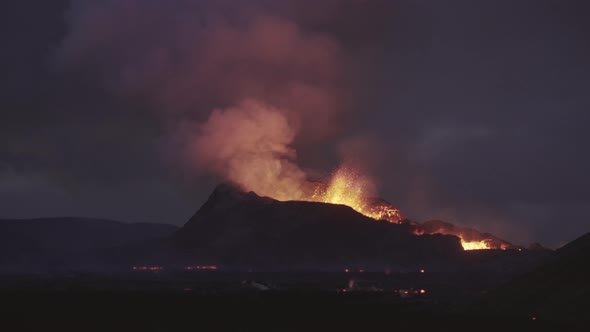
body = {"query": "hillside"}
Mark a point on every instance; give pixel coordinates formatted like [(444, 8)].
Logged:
[(242, 229)]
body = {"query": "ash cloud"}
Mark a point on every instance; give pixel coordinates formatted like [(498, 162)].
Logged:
[(472, 112), (235, 93), (248, 144)]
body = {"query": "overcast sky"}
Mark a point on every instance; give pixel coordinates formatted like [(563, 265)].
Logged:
[(474, 112)]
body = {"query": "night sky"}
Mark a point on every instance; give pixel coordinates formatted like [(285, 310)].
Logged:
[(474, 112)]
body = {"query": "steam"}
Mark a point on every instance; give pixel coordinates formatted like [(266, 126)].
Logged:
[(249, 145), (235, 93)]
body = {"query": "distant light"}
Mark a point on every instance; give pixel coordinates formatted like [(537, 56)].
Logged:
[(202, 267), (421, 270), (147, 268), (422, 291), (534, 318), (346, 270)]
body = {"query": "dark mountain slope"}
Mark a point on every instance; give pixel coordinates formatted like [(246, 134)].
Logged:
[(242, 229)]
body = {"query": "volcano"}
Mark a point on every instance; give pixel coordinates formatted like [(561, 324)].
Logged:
[(237, 227), (241, 229)]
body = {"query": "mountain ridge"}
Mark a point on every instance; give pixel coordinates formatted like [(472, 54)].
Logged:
[(236, 227)]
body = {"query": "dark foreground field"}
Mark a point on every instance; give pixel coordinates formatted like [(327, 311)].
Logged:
[(275, 311), (296, 302), (554, 296)]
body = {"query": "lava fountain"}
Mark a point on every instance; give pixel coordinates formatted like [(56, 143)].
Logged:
[(350, 188), (475, 245)]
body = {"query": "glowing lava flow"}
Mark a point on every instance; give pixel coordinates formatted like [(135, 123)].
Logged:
[(350, 189), (474, 245)]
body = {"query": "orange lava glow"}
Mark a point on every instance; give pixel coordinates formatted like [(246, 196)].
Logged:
[(343, 189), (475, 245), (483, 244), (349, 188)]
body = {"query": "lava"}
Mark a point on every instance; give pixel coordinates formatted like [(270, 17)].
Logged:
[(470, 239), (475, 245), (349, 188)]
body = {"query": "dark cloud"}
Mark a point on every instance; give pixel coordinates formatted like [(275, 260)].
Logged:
[(471, 111)]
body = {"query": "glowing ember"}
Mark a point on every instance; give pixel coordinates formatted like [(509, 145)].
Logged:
[(469, 241), (349, 188), (475, 245), (343, 189), (200, 267)]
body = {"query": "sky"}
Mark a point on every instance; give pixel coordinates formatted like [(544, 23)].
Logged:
[(474, 112)]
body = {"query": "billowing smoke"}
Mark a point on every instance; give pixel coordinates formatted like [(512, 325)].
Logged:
[(234, 90), (248, 144)]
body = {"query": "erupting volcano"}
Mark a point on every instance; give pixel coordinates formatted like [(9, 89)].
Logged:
[(250, 145), (243, 230), (348, 187)]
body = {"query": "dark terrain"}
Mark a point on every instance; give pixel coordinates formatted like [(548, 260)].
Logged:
[(245, 262), (61, 244), (558, 289), (237, 228)]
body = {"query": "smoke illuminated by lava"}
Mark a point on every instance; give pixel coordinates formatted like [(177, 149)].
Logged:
[(236, 95), (249, 145)]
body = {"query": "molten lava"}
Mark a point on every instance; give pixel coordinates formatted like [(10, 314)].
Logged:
[(475, 245), (345, 189), (349, 188)]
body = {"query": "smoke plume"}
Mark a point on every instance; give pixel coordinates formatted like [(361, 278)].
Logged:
[(235, 92), (249, 145)]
